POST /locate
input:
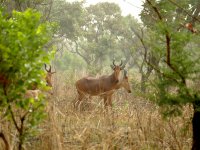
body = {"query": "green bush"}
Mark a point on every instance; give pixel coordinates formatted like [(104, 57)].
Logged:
[(22, 57)]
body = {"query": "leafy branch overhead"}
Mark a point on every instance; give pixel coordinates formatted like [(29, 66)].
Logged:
[(22, 51), (180, 61)]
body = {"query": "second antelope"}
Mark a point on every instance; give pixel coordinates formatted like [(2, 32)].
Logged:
[(34, 92), (49, 75), (103, 86)]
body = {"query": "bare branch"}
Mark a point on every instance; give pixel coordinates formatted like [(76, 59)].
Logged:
[(145, 57), (49, 11), (13, 119), (5, 140)]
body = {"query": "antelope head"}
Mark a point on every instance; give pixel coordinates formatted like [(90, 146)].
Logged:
[(49, 75), (118, 71), (125, 82)]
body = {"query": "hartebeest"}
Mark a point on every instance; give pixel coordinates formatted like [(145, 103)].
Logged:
[(49, 75), (103, 86), (34, 93), (123, 84)]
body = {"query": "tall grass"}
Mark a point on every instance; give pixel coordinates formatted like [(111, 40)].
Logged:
[(133, 124)]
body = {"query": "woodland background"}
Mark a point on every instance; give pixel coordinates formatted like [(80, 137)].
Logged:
[(161, 53)]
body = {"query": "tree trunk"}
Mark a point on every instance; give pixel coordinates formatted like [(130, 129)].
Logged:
[(196, 126), (144, 78), (143, 83)]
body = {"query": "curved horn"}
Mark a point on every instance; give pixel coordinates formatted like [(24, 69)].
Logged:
[(54, 71), (45, 66), (121, 63), (48, 70)]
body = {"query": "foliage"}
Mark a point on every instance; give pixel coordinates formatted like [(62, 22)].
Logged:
[(97, 33), (180, 66), (22, 56), (178, 71), (69, 61), (43, 6)]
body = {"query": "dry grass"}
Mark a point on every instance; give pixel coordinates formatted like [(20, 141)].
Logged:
[(133, 124)]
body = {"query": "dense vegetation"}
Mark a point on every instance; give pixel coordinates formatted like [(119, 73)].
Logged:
[(161, 53)]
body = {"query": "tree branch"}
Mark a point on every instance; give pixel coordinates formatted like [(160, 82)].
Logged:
[(147, 62), (5, 141), (167, 37), (13, 118), (10, 109), (194, 16), (78, 52), (168, 48), (49, 11)]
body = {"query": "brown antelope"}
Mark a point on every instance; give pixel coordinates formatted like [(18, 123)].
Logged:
[(34, 92), (103, 86), (124, 84), (49, 75)]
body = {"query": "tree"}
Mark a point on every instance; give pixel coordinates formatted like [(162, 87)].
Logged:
[(22, 57), (44, 6), (95, 32), (178, 49), (137, 49)]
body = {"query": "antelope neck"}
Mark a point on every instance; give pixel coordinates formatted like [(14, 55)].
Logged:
[(113, 80)]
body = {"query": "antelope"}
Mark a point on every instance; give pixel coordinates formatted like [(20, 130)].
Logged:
[(34, 93), (49, 75), (124, 84), (104, 86)]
